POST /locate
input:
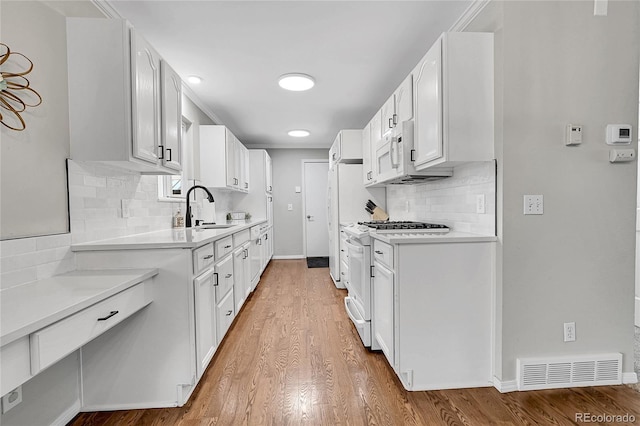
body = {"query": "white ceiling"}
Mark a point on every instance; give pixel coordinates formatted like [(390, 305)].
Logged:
[(357, 51)]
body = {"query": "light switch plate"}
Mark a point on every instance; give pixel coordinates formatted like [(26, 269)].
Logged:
[(533, 204), (290, 207)]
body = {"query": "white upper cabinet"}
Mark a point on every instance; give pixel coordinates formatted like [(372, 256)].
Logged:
[(399, 106), (454, 101), (222, 159), (367, 172), (171, 147), (347, 147), (269, 173), (115, 100)]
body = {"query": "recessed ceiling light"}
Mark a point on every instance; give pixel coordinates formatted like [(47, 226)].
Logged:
[(299, 133), (194, 79), (296, 82)]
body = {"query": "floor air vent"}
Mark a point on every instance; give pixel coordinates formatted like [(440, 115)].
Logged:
[(587, 370)]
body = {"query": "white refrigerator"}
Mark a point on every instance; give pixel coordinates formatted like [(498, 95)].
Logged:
[(347, 198)]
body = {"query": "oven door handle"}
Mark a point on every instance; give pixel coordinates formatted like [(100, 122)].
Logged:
[(353, 247), (356, 321)]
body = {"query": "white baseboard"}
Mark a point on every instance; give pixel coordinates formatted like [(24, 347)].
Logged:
[(287, 257), (137, 406), (506, 386), (629, 378), (67, 415)]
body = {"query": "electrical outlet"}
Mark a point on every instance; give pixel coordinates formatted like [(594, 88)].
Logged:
[(480, 204), (533, 204), (569, 331), (11, 399)]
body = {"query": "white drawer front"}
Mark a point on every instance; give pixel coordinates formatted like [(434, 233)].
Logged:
[(60, 339), (14, 365), (383, 252), (224, 246), (202, 258), (344, 273), (241, 237), (224, 315), (224, 277)]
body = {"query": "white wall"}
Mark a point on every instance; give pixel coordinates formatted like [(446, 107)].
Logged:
[(287, 174), (557, 64), (33, 176)]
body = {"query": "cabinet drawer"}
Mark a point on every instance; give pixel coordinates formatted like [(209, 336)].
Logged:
[(224, 315), (202, 258), (241, 237), (224, 246), (65, 336), (344, 274), (344, 253), (14, 364), (224, 277), (383, 252)]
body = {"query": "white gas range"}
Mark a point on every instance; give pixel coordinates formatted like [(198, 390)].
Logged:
[(359, 303)]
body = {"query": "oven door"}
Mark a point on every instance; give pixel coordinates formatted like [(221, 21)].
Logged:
[(360, 277)]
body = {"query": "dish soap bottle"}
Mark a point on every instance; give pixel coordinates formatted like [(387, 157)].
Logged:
[(178, 220)]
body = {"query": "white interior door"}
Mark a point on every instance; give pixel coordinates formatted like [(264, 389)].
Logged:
[(315, 177)]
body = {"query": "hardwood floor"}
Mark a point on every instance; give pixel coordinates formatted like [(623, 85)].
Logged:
[(293, 357)]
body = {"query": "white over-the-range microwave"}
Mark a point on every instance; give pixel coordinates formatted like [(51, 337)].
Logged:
[(394, 161)]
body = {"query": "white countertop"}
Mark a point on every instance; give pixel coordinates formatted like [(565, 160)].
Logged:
[(418, 238), (30, 307), (189, 238)]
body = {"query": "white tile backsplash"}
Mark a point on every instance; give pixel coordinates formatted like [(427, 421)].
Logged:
[(28, 259), (451, 201)]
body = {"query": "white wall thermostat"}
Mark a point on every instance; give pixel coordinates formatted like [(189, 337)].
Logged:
[(618, 134), (574, 135)]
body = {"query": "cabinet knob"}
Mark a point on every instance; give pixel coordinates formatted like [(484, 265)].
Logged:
[(228, 275), (228, 313)]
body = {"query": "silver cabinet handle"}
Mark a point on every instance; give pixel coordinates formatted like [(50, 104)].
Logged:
[(378, 252), (209, 256), (227, 246), (112, 313), (168, 154), (215, 275), (390, 123), (228, 313), (161, 152), (228, 275), (395, 119)]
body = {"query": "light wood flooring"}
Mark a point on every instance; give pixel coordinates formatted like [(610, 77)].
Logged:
[(293, 357)]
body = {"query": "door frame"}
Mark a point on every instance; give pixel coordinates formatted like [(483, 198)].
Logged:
[(304, 201)]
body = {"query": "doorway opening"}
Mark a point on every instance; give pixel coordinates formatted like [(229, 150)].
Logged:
[(315, 178)]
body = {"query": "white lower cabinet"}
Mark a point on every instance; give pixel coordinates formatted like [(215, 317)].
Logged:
[(242, 280), (225, 314), (432, 312), (206, 342), (383, 311)]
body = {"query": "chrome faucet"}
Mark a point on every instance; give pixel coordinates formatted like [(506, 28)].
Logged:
[(187, 223)]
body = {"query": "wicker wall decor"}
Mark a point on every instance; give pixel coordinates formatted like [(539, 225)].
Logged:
[(15, 91)]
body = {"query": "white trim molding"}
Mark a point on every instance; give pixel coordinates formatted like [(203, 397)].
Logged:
[(288, 257), (68, 414), (506, 386), (629, 378), (469, 15)]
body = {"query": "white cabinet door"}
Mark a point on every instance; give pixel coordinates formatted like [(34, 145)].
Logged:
[(171, 147), (428, 101), (404, 101), (367, 171), (383, 311), (224, 316), (269, 173), (246, 169), (205, 319), (246, 265), (230, 157), (387, 113), (239, 293), (146, 99)]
